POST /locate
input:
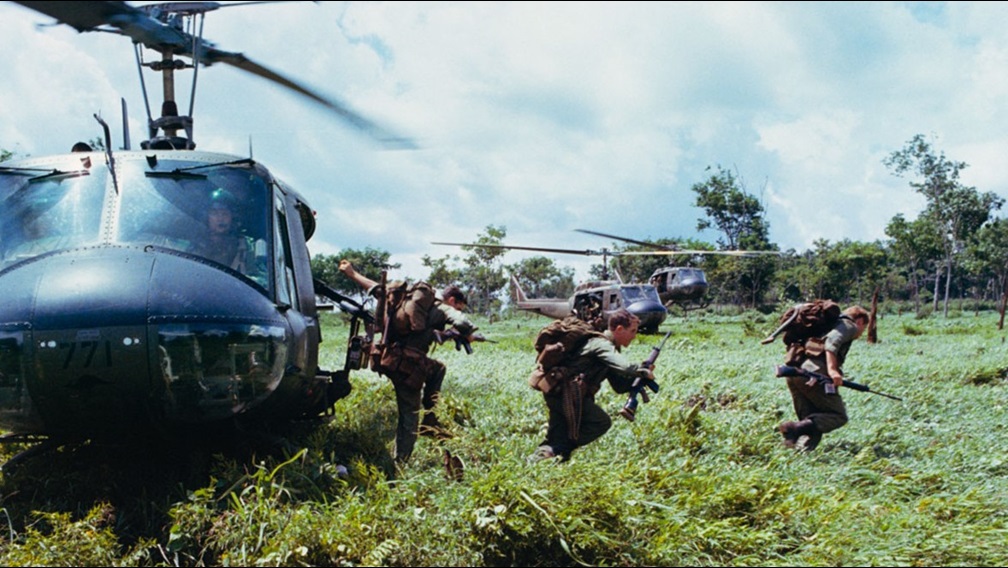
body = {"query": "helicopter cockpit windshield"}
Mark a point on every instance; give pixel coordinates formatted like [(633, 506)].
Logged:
[(633, 294), (44, 209), (219, 212)]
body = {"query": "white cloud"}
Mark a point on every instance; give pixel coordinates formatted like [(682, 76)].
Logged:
[(546, 117)]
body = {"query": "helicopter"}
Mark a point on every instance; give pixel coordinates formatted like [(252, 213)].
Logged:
[(593, 301), (682, 286), (116, 320)]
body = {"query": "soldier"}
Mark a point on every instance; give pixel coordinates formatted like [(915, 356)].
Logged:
[(223, 244), (575, 419), (417, 378), (819, 407)]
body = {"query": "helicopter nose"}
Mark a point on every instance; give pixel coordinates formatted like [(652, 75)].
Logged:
[(650, 313), (694, 289), (78, 315), (105, 339)]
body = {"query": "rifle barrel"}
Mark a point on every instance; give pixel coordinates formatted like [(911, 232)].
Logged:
[(789, 371)]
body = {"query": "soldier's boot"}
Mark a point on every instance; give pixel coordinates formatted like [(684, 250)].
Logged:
[(788, 431), (430, 426), (792, 431), (812, 441)]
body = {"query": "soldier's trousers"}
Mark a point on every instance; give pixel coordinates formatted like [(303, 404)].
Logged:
[(594, 423), (826, 411), (409, 402)]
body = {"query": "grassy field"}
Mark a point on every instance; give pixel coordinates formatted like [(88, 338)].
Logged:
[(700, 478)]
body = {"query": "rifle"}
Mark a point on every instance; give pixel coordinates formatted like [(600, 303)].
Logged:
[(461, 341), (780, 329), (640, 384), (789, 371)]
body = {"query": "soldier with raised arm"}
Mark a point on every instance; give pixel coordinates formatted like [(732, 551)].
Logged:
[(412, 320)]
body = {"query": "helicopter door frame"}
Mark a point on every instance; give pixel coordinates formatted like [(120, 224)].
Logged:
[(296, 277)]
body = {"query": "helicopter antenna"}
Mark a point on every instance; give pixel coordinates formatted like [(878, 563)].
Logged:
[(125, 122)]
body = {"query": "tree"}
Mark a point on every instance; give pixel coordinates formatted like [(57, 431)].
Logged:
[(483, 273), (541, 278), (370, 262), (916, 245), (986, 258), (739, 217), (441, 274), (957, 210)]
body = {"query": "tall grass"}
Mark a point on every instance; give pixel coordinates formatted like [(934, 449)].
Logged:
[(700, 478)]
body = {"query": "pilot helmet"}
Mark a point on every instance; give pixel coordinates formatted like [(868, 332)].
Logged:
[(223, 199)]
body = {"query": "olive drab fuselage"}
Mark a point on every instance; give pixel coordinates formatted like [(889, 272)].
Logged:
[(113, 320)]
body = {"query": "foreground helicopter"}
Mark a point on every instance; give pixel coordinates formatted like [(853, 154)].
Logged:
[(592, 301), (682, 286), (117, 317)]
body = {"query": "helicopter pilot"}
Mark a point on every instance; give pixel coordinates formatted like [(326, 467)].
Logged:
[(223, 244)]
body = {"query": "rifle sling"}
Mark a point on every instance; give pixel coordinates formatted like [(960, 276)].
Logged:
[(572, 396)]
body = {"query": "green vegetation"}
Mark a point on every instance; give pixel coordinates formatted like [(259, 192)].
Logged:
[(700, 478)]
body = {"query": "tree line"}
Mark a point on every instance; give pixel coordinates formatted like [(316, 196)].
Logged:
[(956, 247)]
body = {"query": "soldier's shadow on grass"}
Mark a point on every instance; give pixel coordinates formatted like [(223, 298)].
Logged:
[(141, 479)]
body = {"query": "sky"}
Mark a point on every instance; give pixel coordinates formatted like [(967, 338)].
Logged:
[(542, 118)]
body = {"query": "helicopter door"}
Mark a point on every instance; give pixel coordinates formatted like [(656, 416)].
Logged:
[(614, 301), (284, 266), (295, 287)]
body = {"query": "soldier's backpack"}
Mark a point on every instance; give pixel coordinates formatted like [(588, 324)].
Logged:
[(804, 326), (557, 345), (407, 305)]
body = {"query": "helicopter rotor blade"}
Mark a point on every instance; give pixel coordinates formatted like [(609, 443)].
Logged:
[(743, 253), (624, 239), (85, 16), (143, 26), (349, 116), (539, 249), (668, 250)]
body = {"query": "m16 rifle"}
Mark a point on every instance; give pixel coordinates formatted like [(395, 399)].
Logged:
[(641, 384), (461, 341), (789, 371)]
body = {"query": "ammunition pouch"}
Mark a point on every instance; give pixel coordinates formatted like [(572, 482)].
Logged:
[(794, 355), (815, 347), (404, 365), (551, 355), (549, 374), (546, 381), (811, 348)]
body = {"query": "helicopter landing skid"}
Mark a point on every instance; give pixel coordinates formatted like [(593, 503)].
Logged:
[(42, 446)]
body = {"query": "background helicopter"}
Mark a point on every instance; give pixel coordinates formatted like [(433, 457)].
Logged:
[(683, 286), (117, 319), (592, 301)]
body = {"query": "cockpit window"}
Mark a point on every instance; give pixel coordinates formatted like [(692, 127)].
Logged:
[(633, 294), (219, 213), (637, 293), (49, 209)]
